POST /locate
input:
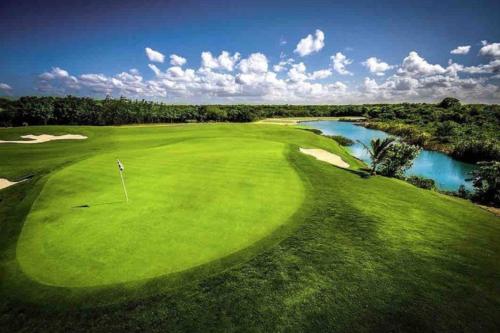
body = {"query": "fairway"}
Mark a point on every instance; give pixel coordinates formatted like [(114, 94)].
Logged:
[(190, 203), (232, 221)]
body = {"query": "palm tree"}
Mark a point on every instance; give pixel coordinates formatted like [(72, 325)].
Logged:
[(378, 151)]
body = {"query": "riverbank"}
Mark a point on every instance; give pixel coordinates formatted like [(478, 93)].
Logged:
[(293, 121), (462, 148), (448, 173), (409, 135)]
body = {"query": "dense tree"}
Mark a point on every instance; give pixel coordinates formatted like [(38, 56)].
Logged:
[(449, 102), (470, 133), (486, 181)]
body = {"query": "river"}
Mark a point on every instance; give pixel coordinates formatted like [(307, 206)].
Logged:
[(447, 172)]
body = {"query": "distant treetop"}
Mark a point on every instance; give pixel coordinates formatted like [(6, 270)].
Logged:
[(449, 102)]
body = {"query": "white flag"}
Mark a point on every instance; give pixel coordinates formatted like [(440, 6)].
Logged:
[(120, 165)]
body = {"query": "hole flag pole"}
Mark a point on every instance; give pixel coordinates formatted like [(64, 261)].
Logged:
[(122, 168)]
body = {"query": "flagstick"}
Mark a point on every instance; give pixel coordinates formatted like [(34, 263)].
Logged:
[(123, 183)]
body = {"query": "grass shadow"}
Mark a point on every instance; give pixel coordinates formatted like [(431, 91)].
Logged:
[(98, 204)]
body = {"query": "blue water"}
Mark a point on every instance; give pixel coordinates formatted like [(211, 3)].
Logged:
[(448, 173)]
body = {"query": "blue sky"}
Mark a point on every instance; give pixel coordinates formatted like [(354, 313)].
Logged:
[(95, 48)]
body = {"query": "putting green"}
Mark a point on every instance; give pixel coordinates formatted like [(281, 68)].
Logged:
[(190, 203)]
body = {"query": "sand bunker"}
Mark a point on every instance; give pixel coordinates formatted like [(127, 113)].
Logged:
[(4, 183), (325, 156), (45, 138)]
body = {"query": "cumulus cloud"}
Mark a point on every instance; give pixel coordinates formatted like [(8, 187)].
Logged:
[(461, 49), (229, 79), (5, 87), (255, 63), (492, 67), (298, 73), (419, 80), (414, 64), (224, 61), (320, 74), (282, 65), (376, 66), (57, 80), (154, 56), (176, 60), (490, 49), (339, 63), (311, 44)]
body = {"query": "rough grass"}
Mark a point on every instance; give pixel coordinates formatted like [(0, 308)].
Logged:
[(372, 254)]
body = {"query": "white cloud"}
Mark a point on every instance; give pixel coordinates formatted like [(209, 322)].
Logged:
[(298, 72), (57, 80), (492, 50), (283, 64), (227, 79), (461, 49), (255, 63), (418, 80), (340, 62), (414, 64), (491, 67), (176, 60), (376, 66), (5, 87), (311, 44), (320, 74), (155, 69), (227, 61), (224, 61), (154, 56)]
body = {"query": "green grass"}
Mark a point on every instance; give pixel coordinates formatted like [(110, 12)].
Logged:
[(190, 203), (333, 252)]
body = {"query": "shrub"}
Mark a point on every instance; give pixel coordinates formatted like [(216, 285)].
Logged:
[(422, 182), (314, 130), (399, 158), (477, 150), (342, 140), (486, 181)]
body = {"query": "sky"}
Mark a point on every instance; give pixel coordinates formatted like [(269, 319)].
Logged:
[(272, 52)]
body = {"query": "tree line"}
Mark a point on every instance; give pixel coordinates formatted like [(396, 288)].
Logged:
[(72, 110), (469, 133)]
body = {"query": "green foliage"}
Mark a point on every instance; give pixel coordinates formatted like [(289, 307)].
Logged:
[(449, 102), (445, 130), (422, 182), (342, 140), (313, 130), (470, 133), (86, 111), (471, 150), (398, 159), (378, 150), (486, 181)]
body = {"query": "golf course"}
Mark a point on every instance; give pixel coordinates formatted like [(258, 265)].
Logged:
[(230, 227)]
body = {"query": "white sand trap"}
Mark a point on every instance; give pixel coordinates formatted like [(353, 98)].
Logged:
[(46, 138), (4, 183), (325, 156)]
